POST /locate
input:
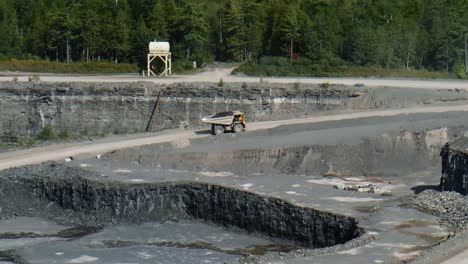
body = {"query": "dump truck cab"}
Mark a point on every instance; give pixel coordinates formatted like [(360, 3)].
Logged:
[(224, 121)]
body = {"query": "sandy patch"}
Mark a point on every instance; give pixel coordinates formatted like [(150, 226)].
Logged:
[(295, 193), (122, 171), (136, 180), (406, 256), (83, 259), (353, 199), (246, 186), (216, 174), (353, 251)]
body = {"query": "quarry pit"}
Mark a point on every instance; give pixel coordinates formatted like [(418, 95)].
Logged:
[(263, 196)]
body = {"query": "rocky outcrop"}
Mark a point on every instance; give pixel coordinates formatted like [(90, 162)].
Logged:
[(455, 166), (104, 108), (95, 109), (113, 202)]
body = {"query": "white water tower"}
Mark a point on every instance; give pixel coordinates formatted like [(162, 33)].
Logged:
[(160, 50)]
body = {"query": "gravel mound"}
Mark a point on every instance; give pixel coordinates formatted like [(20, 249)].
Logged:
[(451, 207)]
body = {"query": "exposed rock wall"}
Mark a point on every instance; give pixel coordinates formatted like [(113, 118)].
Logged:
[(89, 108), (114, 202), (103, 108), (455, 166)]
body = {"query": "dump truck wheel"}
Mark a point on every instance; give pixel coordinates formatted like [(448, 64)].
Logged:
[(237, 128), (218, 129)]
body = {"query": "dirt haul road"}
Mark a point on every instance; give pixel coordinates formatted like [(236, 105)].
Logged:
[(88, 149), (215, 74)]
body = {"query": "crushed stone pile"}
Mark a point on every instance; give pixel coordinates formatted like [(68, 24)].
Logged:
[(451, 207)]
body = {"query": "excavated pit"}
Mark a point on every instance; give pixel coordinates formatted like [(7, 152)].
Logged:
[(100, 203)]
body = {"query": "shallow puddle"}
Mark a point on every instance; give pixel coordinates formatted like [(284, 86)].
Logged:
[(170, 242)]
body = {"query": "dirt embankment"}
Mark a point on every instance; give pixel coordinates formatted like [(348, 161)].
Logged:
[(104, 108), (387, 154)]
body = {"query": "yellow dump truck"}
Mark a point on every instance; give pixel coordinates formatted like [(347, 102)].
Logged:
[(225, 121)]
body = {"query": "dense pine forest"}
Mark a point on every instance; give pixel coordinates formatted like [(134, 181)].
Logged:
[(391, 34)]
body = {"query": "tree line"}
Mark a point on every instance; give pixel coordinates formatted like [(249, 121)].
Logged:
[(418, 34)]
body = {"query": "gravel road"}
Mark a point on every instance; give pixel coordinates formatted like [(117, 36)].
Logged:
[(214, 74)]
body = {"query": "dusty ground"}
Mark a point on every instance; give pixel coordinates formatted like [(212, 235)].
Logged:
[(215, 74)]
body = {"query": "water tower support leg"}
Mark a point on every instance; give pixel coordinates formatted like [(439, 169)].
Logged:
[(149, 64), (170, 63), (150, 60)]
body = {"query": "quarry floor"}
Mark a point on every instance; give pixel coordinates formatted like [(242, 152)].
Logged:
[(394, 233)]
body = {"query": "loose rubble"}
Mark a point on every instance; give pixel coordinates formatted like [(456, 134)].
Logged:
[(452, 207), (363, 188)]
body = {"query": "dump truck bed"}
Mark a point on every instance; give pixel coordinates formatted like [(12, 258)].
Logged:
[(224, 118)]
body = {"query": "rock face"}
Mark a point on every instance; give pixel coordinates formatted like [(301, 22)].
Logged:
[(104, 108), (112, 202), (455, 166), (95, 109)]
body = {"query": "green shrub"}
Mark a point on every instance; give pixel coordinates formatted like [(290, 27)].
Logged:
[(330, 67), (181, 66), (34, 78), (64, 134), (325, 85), (25, 141), (47, 133), (460, 71), (221, 82), (34, 65)]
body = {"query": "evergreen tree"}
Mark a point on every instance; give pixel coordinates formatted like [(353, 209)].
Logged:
[(234, 31), (192, 28), (159, 21), (384, 33), (253, 24), (121, 30), (10, 39), (290, 28), (140, 38)]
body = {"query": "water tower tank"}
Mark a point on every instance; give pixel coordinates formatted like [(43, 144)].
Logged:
[(159, 47)]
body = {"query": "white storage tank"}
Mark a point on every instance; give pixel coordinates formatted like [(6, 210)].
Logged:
[(159, 47)]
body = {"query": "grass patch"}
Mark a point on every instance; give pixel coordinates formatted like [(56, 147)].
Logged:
[(18, 142), (303, 67), (25, 141), (325, 85), (64, 135), (60, 67)]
